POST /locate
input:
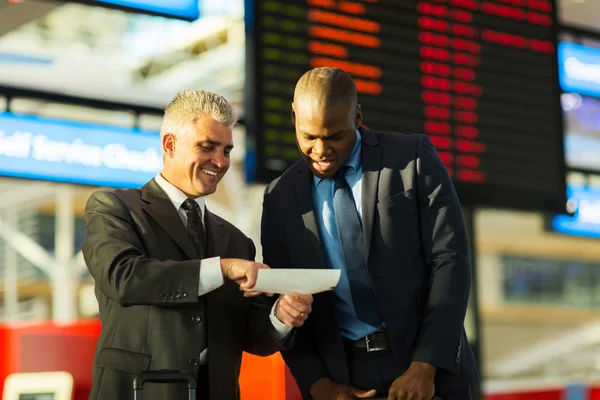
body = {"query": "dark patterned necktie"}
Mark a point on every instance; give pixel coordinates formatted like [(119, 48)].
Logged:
[(195, 227), (196, 231), (351, 236)]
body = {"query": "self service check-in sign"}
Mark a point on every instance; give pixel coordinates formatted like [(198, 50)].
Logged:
[(73, 152), (579, 69)]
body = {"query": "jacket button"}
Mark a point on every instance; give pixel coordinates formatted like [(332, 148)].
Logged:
[(196, 318), (193, 362), (184, 295), (177, 295)]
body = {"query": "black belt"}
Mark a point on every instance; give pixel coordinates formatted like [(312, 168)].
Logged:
[(377, 341)]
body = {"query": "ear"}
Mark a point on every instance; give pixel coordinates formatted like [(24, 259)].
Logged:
[(358, 117), (293, 115), (168, 144)]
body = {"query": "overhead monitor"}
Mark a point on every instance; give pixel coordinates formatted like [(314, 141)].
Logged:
[(584, 206), (132, 59), (582, 131), (579, 68), (182, 9), (480, 77), (38, 386), (579, 72)]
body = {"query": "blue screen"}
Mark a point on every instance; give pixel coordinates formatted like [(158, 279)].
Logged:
[(582, 131), (579, 69), (36, 396), (64, 151), (585, 202), (187, 9)]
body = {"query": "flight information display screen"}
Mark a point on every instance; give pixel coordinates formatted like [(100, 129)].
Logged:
[(480, 77)]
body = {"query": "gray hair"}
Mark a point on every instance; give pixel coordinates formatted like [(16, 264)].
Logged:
[(189, 104)]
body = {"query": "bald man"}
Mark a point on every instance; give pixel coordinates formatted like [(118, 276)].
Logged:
[(381, 208)]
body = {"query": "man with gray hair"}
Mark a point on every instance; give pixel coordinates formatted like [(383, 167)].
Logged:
[(174, 282)]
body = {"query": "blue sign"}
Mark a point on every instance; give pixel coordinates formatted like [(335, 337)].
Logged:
[(184, 9), (584, 202), (74, 152), (579, 69), (575, 391)]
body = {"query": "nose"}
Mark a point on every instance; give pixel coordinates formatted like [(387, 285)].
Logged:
[(219, 159), (321, 148)]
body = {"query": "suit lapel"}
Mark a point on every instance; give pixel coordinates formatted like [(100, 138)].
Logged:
[(371, 164), (307, 210), (216, 235), (161, 209)]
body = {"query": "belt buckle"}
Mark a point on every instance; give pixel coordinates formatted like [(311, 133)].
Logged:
[(372, 348)]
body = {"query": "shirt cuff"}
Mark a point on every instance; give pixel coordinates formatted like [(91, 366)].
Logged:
[(282, 329), (211, 277)]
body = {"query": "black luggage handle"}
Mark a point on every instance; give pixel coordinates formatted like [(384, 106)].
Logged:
[(164, 376)]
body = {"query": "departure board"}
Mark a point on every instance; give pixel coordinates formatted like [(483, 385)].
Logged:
[(479, 77)]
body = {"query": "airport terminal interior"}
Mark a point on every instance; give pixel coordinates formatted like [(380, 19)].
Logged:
[(507, 90)]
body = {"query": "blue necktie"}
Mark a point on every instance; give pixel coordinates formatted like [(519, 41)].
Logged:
[(351, 236)]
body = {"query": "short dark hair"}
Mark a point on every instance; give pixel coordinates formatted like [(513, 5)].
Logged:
[(328, 86)]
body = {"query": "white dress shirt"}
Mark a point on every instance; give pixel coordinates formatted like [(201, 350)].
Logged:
[(211, 276)]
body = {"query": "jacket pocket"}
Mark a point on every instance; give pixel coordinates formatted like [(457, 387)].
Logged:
[(398, 198), (123, 360)]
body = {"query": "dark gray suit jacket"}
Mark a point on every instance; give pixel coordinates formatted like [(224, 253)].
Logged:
[(146, 271), (417, 256)]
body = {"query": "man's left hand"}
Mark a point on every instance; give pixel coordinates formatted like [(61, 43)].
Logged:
[(415, 384), (293, 309)]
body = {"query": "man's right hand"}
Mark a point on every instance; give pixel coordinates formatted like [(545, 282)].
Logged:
[(326, 389), (244, 273)]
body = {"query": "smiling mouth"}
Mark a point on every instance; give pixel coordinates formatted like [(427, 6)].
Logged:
[(323, 164), (209, 172)]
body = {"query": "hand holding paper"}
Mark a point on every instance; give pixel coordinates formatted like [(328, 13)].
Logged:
[(303, 281)]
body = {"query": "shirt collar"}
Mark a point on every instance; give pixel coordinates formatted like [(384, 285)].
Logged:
[(176, 196), (353, 160)]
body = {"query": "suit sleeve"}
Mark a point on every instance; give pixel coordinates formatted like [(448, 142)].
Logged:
[(262, 338), (304, 362), (446, 249), (116, 258)]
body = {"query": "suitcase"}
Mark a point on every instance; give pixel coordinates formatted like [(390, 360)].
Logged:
[(164, 376)]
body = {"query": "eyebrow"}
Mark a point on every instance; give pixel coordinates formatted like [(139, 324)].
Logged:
[(333, 134), (214, 143)]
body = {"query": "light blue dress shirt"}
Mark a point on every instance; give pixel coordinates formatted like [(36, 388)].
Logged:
[(350, 326)]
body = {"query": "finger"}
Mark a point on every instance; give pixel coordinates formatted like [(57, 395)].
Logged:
[(299, 300), (393, 393), (240, 281), (302, 298), (400, 395), (251, 275), (285, 317), (293, 311), (252, 294), (298, 306), (362, 393), (263, 266)]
